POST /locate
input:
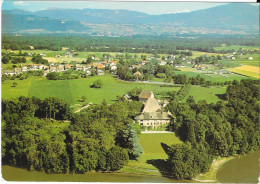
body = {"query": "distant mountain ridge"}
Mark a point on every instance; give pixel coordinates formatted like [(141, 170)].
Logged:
[(241, 17)]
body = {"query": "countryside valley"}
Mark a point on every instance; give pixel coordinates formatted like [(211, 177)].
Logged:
[(102, 108)]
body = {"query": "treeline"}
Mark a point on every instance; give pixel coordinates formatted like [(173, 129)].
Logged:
[(198, 80), (222, 129), (44, 135), (135, 44), (67, 75)]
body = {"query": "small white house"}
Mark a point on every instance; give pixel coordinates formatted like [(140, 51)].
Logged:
[(250, 58), (113, 67)]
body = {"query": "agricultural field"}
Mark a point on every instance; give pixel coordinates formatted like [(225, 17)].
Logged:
[(197, 54), (252, 71), (213, 77), (235, 47), (153, 153), (72, 90)]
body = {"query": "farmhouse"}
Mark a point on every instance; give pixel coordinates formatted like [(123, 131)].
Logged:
[(152, 114), (250, 58)]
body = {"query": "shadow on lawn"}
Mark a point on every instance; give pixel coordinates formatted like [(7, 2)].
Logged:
[(221, 96), (162, 164)]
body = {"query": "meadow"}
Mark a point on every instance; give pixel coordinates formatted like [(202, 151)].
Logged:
[(153, 153), (72, 90), (205, 93), (213, 77)]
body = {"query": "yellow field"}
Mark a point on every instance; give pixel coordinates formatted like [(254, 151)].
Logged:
[(51, 59), (252, 71), (197, 54), (187, 69)]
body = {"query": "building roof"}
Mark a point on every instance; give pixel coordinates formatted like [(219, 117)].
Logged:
[(138, 73), (145, 94), (151, 105), (100, 66), (153, 116)]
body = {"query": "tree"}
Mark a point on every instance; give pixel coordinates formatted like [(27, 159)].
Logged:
[(128, 138), (83, 98), (14, 84), (97, 84), (117, 158)]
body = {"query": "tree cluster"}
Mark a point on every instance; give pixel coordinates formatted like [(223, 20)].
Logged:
[(35, 135), (222, 129), (39, 60)]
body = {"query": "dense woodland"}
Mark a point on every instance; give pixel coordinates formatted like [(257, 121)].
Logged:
[(223, 129), (103, 138), (135, 44)]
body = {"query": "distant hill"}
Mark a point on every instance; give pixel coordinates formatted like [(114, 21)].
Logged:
[(237, 18)]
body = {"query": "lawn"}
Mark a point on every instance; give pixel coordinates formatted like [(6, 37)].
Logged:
[(205, 93), (153, 153), (72, 90)]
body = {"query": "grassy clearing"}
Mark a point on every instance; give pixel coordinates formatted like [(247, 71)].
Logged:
[(247, 70), (205, 93), (153, 150)]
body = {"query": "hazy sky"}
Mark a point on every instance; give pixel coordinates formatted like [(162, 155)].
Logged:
[(154, 8)]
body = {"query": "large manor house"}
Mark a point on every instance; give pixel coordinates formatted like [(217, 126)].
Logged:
[(152, 114)]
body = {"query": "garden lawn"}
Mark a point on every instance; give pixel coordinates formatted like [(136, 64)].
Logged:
[(153, 150), (205, 93)]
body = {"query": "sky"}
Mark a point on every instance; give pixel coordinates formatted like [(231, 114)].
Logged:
[(153, 8)]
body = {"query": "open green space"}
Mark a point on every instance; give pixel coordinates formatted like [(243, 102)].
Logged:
[(235, 47), (22, 89), (214, 77), (72, 90), (205, 93), (153, 153)]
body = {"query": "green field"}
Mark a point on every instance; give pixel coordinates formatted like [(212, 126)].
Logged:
[(235, 47), (72, 90), (205, 93), (153, 153), (214, 77)]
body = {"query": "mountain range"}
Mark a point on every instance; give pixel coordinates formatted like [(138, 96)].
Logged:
[(234, 18)]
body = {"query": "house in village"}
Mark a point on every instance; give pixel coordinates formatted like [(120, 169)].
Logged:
[(152, 114), (250, 58), (138, 73)]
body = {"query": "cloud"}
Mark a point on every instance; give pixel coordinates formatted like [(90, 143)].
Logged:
[(20, 3)]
